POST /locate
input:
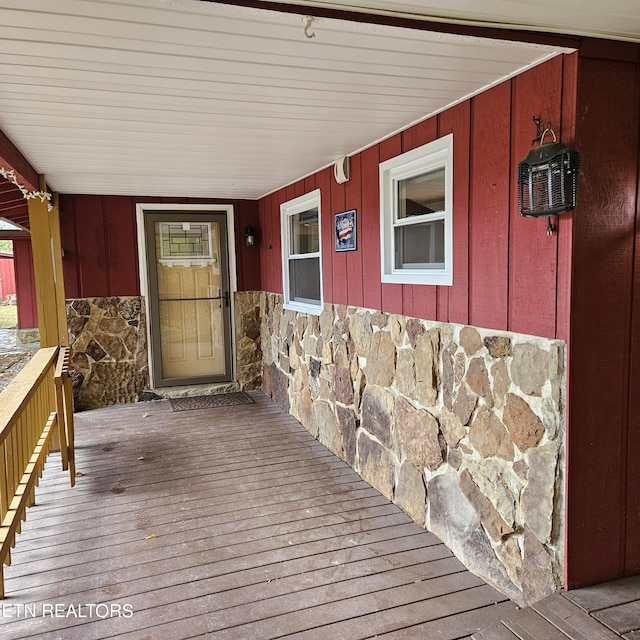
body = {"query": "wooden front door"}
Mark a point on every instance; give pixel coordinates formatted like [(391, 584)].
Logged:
[(188, 298)]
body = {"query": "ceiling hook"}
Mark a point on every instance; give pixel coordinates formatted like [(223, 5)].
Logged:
[(307, 24)]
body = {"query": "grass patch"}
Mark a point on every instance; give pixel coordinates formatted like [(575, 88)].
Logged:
[(8, 316)]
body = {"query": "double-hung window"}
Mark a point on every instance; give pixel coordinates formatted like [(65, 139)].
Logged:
[(301, 253), (416, 215)]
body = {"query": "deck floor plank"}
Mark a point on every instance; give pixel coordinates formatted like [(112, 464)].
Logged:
[(528, 625), (622, 618), (610, 594), (260, 532), (572, 620), (494, 632)]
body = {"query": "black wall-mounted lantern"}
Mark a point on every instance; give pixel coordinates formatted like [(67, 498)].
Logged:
[(249, 236), (548, 179)]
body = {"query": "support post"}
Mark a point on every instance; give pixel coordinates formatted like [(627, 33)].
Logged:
[(47, 267)]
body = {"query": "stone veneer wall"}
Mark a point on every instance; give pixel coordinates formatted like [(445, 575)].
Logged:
[(463, 428), (108, 340), (247, 314)]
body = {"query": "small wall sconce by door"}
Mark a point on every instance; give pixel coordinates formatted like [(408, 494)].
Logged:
[(249, 236)]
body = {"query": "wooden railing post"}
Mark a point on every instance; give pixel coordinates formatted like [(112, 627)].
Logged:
[(31, 412), (64, 403)]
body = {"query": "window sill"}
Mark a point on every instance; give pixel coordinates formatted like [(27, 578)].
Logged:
[(301, 307), (438, 278)]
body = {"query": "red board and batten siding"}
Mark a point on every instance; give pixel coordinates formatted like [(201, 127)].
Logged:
[(581, 284), (603, 479), (99, 239), (458, 122), (7, 276), (505, 266), (25, 284)]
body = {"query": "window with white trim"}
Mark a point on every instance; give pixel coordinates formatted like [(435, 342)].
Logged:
[(301, 253), (416, 215)]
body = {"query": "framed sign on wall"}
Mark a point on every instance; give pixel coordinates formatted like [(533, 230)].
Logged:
[(346, 231)]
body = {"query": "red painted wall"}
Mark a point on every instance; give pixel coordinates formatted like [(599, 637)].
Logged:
[(7, 277), (506, 267), (99, 240), (581, 284), (25, 284), (603, 480)]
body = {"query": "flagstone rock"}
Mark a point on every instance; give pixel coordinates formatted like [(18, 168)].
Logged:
[(500, 484), (343, 383), (376, 465), (80, 306), (452, 429), (521, 468), (377, 413), (426, 367), (501, 382), (498, 346), (361, 332), (397, 324), (381, 363), (302, 409), (348, 426), (411, 492), (537, 569), (326, 322), (454, 458), (448, 380), (525, 428), (489, 436), (379, 319), (76, 325), (405, 379), (414, 329), (109, 383), (530, 368), (454, 520), (478, 380), (328, 428), (491, 520), (538, 495), (278, 386), (470, 340), (510, 557), (113, 346), (464, 404), (419, 435), (95, 351)]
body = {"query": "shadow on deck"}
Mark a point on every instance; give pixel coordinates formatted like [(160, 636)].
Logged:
[(230, 522)]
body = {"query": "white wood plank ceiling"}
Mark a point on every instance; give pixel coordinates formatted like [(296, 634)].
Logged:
[(189, 98), (616, 19)]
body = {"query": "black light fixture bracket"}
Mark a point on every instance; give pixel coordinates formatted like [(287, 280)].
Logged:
[(548, 178)]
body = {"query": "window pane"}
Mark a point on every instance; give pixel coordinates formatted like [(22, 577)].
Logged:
[(304, 280), (421, 194), (420, 246), (305, 236), (184, 240)]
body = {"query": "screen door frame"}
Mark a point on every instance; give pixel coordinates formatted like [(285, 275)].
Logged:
[(144, 212)]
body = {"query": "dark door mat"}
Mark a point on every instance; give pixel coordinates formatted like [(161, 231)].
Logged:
[(210, 402)]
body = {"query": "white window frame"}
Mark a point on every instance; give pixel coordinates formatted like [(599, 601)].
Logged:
[(301, 204), (429, 157)]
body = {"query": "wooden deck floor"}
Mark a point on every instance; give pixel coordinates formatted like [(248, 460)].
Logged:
[(606, 611), (227, 523)]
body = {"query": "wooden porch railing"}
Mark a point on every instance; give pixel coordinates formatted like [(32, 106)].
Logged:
[(36, 413)]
